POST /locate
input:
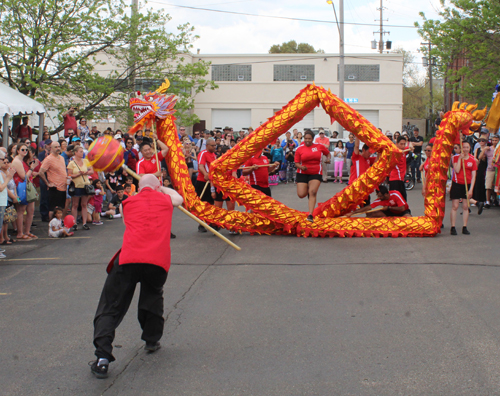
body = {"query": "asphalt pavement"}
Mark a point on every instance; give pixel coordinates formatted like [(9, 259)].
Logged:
[(284, 316)]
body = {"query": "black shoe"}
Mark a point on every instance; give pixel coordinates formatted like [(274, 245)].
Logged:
[(172, 236), (453, 231), (86, 226), (34, 225), (202, 229), (310, 218), (152, 347), (465, 231), (45, 220), (480, 206), (74, 228), (487, 205), (100, 372), (442, 225)]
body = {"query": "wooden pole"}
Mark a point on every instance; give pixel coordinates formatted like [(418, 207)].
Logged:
[(204, 189), (201, 222), (465, 174)]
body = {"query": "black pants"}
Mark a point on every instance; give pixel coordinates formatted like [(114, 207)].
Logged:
[(207, 196), (115, 300), (398, 185), (44, 200)]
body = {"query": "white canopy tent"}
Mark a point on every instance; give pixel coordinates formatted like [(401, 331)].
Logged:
[(14, 103)]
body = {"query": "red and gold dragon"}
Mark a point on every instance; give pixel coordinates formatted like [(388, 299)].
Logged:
[(270, 216)]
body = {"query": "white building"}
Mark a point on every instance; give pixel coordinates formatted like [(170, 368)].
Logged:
[(253, 87)]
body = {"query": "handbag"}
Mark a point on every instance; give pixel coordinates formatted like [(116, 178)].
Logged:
[(21, 193), (89, 188), (10, 215), (71, 189), (31, 193)]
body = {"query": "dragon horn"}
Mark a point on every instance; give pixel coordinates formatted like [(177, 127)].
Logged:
[(471, 108), (455, 106), (463, 106), (164, 86)]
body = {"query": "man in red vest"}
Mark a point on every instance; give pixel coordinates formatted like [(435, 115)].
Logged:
[(145, 258)]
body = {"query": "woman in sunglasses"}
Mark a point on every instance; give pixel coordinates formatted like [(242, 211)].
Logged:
[(23, 172)]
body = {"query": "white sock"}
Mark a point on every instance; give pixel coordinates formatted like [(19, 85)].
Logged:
[(117, 216), (487, 202), (102, 362)]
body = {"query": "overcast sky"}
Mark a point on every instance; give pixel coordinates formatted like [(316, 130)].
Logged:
[(235, 34)]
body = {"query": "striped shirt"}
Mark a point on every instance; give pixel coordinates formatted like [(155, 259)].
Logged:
[(55, 169)]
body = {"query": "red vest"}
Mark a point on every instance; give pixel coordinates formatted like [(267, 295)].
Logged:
[(148, 220)]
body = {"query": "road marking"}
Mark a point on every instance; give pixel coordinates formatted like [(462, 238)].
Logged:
[(5, 294), (73, 237), (28, 259)]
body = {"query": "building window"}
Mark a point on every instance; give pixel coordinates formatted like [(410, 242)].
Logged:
[(360, 72), (231, 72), (293, 72)]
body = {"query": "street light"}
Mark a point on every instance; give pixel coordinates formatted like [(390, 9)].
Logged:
[(340, 26)]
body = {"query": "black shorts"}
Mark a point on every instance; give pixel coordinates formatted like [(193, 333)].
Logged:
[(303, 178), (219, 197), (56, 198), (265, 190), (398, 185), (390, 213), (190, 165), (207, 197), (458, 191)]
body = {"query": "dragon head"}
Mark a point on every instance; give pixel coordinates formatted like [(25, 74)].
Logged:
[(151, 106), (462, 117)]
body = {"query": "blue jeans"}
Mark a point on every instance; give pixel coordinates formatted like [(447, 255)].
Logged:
[(415, 165)]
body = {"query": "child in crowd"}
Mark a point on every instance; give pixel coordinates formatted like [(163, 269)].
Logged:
[(114, 205), (56, 228), (166, 182), (127, 190), (98, 198), (130, 180)]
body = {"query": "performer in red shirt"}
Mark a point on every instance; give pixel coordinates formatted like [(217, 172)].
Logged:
[(458, 192), (397, 175), (424, 168), (144, 258), (148, 162), (392, 205), (258, 170), (360, 162), (309, 169), (205, 158)]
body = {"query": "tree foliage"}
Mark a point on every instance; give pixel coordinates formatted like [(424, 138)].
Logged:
[(85, 53), (466, 45), (292, 47)]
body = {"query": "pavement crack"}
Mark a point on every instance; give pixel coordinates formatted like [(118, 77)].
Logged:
[(117, 377)]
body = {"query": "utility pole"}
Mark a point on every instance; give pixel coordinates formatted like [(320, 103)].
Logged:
[(381, 38), (133, 44), (430, 63), (341, 54), (381, 32)]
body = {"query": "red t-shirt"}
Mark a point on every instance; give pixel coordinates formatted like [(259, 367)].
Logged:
[(259, 177), (70, 123), (399, 171), (470, 165), (149, 166), (395, 199), (310, 157), (359, 165), (205, 159), (23, 132), (148, 221), (427, 165)]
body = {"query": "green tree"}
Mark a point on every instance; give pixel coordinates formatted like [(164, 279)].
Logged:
[(466, 46), (92, 53), (292, 47)]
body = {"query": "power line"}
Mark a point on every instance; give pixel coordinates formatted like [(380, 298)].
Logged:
[(277, 17)]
